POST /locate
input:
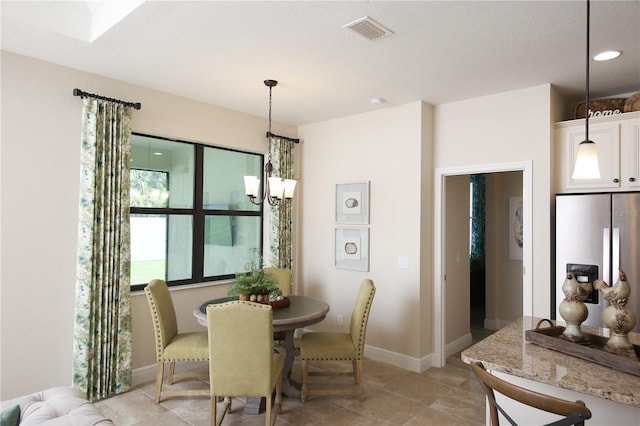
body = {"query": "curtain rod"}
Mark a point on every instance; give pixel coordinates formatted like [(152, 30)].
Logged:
[(78, 92), (283, 137)]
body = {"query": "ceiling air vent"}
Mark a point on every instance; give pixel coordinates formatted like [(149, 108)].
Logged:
[(369, 28)]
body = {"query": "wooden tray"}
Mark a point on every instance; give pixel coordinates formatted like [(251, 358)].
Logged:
[(276, 304), (550, 337)]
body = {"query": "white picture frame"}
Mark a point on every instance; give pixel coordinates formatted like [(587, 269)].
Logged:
[(352, 203), (352, 249)]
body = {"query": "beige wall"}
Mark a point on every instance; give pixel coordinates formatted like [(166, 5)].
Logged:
[(40, 179), (384, 147), (503, 274), (457, 269), (504, 128), (426, 236)]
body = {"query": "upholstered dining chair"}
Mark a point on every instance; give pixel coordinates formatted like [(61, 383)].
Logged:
[(334, 346), (172, 346), (242, 359), (575, 413), (284, 283), (284, 278)]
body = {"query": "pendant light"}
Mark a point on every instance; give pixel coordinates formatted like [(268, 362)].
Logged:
[(586, 166), (277, 191)]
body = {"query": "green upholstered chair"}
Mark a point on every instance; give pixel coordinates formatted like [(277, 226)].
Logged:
[(242, 359), (575, 412), (284, 278), (333, 346), (284, 283), (172, 346)]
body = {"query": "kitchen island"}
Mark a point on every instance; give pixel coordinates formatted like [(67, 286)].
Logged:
[(612, 396)]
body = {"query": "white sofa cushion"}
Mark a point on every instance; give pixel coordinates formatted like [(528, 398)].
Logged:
[(58, 406)]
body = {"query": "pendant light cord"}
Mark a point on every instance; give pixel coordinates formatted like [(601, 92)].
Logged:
[(586, 113), (270, 134)]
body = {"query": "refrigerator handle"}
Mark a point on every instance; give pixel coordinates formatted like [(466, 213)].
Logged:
[(606, 245), (615, 256)]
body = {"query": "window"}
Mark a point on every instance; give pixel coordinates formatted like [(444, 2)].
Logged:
[(190, 219)]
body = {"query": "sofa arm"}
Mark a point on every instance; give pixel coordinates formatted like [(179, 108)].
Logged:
[(58, 406)]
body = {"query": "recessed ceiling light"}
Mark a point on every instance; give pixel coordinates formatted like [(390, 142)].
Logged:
[(158, 153), (605, 56), (376, 101)]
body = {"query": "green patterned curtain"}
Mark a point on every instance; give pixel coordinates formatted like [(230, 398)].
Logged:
[(281, 232), (478, 220), (102, 334)]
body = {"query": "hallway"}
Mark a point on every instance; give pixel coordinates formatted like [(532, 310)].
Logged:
[(478, 332)]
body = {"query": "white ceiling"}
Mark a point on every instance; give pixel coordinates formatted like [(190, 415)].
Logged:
[(220, 52)]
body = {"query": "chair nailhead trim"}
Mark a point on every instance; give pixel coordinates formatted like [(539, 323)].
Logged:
[(156, 320)]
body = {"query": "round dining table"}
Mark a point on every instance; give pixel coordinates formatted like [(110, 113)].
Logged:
[(301, 312)]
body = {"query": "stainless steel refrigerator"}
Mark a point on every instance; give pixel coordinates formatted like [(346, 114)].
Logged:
[(595, 235)]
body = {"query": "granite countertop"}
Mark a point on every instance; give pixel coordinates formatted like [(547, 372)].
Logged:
[(507, 351)]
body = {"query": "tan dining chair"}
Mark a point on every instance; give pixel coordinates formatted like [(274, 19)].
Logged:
[(334, 346), (242, 359), (172, 346), (284, 278), (575, 412)]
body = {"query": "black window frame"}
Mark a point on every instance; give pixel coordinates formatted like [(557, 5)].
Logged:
[(198, 213)]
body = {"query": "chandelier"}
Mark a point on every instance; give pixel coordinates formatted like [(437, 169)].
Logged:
[(276, 190), (586, 166)]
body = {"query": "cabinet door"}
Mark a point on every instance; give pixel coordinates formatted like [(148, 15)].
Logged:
[(630, 149), (607, 139)]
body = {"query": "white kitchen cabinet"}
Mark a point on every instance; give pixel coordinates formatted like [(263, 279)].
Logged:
[(617, 139), (631, 149)]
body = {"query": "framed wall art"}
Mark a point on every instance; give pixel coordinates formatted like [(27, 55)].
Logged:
[(515, 228), (352, 249), (352, 203)]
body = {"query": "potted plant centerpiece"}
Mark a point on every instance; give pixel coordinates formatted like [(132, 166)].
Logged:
[(254, 284)]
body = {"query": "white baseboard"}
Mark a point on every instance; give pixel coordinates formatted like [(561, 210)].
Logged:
[(147, 373), (459, 344), (143, 375), (417, 365)]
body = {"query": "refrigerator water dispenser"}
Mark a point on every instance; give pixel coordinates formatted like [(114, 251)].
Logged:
[(586, 274)]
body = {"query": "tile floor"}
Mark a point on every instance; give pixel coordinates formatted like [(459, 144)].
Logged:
[(439, 396)]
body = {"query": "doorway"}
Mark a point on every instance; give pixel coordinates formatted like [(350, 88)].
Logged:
[(495, 251), (442, 251)]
